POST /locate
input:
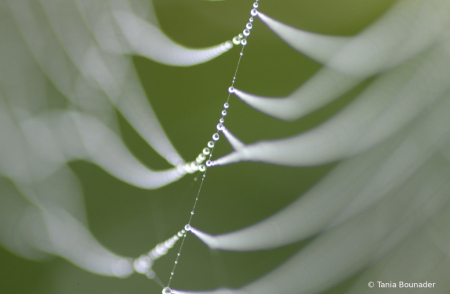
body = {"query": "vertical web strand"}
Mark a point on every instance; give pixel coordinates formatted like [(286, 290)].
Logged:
[(143, 264), (243, 42)]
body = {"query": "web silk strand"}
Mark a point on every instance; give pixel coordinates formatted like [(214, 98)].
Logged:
[(243, 41), (143, 264)]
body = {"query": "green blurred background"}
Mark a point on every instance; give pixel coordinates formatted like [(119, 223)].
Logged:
[(188, 101)]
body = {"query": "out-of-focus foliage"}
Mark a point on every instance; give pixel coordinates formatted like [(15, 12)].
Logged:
[(369, 110)]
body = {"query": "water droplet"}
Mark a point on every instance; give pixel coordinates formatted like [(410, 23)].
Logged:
[(249, 26), (180, 234), (250, 19), (208, 163), (221, 120), (202, 156), (216, 136), (236, 40), (226, 105), (202, 168), (206, 151), (241, 36), (210, 144), (145, 261), (178, 254), (167, 290), (219, 127), (194, 165), (183, 231), (195, 179), (255, 5), (187, 227), (244, 42), (228, 44), (241, 53), (150, 274), (254, 12), (246, 32), (192, 212), (171, 275), (176, 262), (224, 112), (231, 89)]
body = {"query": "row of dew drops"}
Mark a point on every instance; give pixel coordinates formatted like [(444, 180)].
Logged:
[(144, 263)]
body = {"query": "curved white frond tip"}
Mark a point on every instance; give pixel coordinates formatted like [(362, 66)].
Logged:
[(354, 245), (81, 136), (316, 46), (408, 28), (108, 151), (352, 188), (234, 142), (66, 237), (33, 223), (311, 212), (396, 97), (324, 87), (88, 75), (147, 40), (72, 241), (137, 110), (209, 240)]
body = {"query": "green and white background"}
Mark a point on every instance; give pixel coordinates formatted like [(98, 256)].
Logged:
[(47, 65)]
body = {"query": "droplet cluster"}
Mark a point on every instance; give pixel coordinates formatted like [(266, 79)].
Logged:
[(143, 264), (242, 38)]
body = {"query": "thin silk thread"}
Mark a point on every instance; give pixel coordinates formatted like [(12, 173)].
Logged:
[(144, 262)]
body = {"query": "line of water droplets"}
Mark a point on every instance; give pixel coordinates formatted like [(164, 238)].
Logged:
[(143, 263), (240, 39)]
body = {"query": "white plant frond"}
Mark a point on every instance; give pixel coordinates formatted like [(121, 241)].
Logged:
[(408, 28), (91, 74), (80, 136), (12, 210), (341, 252), (327, 85), (149, 41), (351, 189), (234, 142), (37, 224), (310, 213), (316, 46), (54, 231), (321, 89), (380, 214), (393, 100)]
